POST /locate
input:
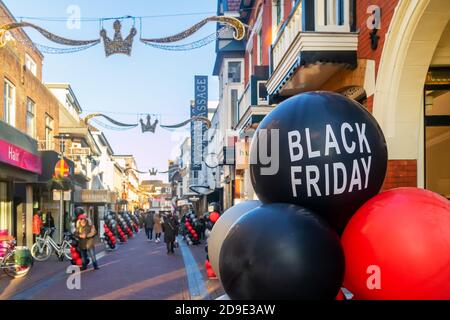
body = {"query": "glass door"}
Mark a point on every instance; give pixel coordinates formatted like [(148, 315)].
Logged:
[(437, 140)]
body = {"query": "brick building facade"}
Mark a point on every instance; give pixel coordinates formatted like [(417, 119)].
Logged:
[(29, 118)]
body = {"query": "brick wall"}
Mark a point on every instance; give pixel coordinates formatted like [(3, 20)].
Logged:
[(267, 6), (400, 173), (364, 43), (27, 85)]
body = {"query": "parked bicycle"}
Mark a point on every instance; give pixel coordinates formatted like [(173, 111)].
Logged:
[(45, 245), (17, 261)]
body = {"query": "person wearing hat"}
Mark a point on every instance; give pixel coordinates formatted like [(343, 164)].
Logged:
[(85, 232)]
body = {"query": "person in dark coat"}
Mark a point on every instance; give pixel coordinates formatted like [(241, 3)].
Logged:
[(202, 227), (50, 224), (170, 228), (148, 225)]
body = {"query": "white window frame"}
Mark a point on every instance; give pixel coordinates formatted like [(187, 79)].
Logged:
[(275, 24), (332, 15), (9, 108), (30, 64), (250, 63), (49, 124), (228, 71), (259, 59), (32, 112)]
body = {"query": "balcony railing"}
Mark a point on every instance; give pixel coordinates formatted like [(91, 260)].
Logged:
[(288, 33), (255, 94)]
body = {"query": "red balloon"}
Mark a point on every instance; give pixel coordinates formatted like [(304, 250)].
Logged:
[(397, 246), (214, 216), (210, 273), (79, 262), (340, 296)]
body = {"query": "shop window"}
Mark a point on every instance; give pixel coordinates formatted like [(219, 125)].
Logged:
[(9, 104), (31, 118), (437, 141), (234, 71), (5, 209)]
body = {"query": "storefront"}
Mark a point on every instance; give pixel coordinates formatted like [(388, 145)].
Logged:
[(20, 164), (411, 100), (95, 203)]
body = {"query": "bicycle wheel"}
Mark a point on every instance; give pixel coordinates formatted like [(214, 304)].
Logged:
[(66, 250), (12, 269), (41, 252)]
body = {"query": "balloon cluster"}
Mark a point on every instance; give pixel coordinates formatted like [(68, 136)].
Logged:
[(327, 163), (190, 230), (135, 222), (109, 237), (110, 230), (211, 219), (75, 254), (122, 235), (126, 224)]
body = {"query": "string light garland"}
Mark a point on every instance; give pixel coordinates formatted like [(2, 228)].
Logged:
[(47, 34), (118, 45), (146, 127), (239, 30), (190, 46)]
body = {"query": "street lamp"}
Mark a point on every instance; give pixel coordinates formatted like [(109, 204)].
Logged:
[(62, 137)]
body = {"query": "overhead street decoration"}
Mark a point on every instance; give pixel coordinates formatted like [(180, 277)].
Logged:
[(118, 45)]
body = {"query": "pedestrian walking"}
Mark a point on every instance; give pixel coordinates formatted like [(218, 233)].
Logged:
[(85, 232), (148, 225), (50, 223), (37, 225), (157, 227), (170, 227)]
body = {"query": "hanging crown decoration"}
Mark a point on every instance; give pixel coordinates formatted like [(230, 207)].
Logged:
[(118, 45), (148, 127)]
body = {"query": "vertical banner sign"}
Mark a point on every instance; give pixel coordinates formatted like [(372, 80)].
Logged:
[(199, 108)]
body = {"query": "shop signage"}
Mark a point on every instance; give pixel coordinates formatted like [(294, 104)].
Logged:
[(182, 203), (374, 23), (61, 169), (242, 153), (94, 196), (198, 129), (18, 157), (57, 195)]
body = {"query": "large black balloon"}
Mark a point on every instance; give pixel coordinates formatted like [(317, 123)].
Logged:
[(281, 251), (322, 135)]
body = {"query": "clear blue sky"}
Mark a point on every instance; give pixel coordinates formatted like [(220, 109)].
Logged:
[(150, 81)]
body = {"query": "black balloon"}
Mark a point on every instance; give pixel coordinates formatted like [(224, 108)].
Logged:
[(332, 156), (281, 251)]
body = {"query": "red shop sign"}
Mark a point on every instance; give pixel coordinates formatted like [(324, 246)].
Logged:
[(18, 157)]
